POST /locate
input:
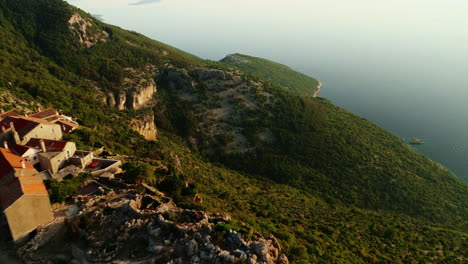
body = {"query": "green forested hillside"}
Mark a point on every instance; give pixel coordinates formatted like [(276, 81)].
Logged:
[(333, 187), (278, 74)]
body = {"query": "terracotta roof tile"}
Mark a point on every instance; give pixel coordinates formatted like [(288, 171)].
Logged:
[(24, 181), (21, 149), (9, 113), (51, 145), (10, 192), (67, 126), (19, 186), (32, 185), (9, 162), (45, 113), (93, 164), (23, 125)]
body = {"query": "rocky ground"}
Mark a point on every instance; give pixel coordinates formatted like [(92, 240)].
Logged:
[(136, 224)]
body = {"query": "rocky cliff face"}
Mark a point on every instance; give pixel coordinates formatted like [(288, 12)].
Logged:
[(222, 100), (136, 92), (142, 95), (145, 126), (86, 32), (9, 101)]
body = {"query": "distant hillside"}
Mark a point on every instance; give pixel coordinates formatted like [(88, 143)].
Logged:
[(278, 74), (330, 185)]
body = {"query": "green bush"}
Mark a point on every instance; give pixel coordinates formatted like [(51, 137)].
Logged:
[(138, 172), (59, 191)]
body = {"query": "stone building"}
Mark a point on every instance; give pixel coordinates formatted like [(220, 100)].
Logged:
[(24, 200), (54, 153), (66, 123), (20, 129), (30, 154)]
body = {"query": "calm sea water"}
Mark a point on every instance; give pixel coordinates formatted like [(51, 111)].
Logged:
[(411, 97)]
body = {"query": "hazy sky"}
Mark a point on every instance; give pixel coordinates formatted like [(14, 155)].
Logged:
[(225, 24), (313, 36)]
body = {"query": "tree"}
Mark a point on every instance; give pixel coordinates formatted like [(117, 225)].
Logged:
[(138, 172), (59, 191)]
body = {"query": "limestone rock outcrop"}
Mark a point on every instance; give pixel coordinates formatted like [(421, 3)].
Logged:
[(123, 226), (145, 126), (218, 100), (136, 92), (139, 97), (176, 79), (86, 32)]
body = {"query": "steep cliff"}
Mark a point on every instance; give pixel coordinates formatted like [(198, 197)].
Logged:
[(145, 126), (219, 100), (86, 32), (136, 91)]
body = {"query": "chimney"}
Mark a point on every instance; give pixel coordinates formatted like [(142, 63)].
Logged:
[(12, 126), (5, 144), (43, 145), (23, 164)]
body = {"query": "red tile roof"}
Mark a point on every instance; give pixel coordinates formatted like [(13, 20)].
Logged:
[(55, 118), (9, 113), (9, 162), (32, 185), (23, 125), (93, 164), (45, 113), (67, 126), (25, 182), (10, 192), (20, 149), (51, 145), (19, 186)]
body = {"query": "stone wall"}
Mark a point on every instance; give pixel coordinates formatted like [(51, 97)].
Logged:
[(27, 213), (45, 131)]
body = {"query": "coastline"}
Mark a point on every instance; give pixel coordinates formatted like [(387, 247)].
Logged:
[(320, 84)]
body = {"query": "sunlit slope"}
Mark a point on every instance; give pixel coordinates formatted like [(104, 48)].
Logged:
[(278, 74)]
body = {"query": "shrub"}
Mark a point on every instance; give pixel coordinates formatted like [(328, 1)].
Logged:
[(138, 172), (59, 191)]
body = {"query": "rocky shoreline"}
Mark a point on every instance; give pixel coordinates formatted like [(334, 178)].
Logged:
[(320, 84)]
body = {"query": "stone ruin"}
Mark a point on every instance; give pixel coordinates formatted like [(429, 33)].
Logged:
[(123, 226)]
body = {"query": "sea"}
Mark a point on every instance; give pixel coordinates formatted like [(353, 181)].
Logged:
[(411, 97)]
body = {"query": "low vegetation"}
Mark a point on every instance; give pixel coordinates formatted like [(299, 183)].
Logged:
[(137, 172), (59, 191), (278, 74)]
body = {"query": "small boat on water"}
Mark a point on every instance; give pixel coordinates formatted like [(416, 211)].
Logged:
[(416, 141)]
